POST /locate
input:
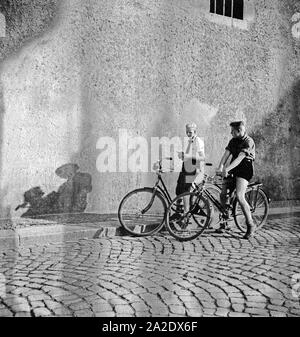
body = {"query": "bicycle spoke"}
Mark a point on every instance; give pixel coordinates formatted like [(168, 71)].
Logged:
[(142, 213), (259, 211), (261, 203), (188, 225)]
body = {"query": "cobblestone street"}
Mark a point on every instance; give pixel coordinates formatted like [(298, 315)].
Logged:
[(214, 275)]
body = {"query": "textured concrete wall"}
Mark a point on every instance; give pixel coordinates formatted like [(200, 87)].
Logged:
[(73, 71)]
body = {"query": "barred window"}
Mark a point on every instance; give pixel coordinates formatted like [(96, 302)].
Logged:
[(231, 8)]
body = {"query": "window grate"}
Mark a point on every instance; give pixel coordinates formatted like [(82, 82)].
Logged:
[(230, 8)]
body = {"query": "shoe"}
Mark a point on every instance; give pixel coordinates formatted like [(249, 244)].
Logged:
[(222, 228), (250, 231), (226, 215)]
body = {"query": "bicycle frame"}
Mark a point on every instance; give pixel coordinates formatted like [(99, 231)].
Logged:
[(223, 209), (163, 190), (216, 202)]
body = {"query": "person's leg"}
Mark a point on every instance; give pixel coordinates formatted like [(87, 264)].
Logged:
[(180, 190), (186, 204), (186, 201), (241, 186), (223, 199), (189, 179), (182, 204), (223, 195), (179, 186)]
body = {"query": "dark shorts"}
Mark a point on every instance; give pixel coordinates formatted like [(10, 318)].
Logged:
[(243, 170)]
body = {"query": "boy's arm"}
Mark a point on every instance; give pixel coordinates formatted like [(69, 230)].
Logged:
[(199, 156), (223, 160), (235, 163)]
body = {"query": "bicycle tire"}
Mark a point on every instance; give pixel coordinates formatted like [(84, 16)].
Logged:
[(259, 211), (131, 216), (198, 215)]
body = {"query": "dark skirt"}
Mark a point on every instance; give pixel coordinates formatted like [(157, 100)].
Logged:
[(184, 183)]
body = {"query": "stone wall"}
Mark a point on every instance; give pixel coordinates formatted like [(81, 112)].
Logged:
[(74, 71)]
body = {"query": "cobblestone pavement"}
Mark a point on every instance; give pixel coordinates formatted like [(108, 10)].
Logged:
[(214, 275)]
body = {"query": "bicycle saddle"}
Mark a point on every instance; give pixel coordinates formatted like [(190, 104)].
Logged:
[(255, 183)]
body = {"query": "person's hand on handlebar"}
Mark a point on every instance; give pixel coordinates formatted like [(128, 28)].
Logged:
[(224, 172), (219, 171)]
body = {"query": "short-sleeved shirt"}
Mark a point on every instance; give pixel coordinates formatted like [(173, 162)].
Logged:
[(245, 144), (195, 145)]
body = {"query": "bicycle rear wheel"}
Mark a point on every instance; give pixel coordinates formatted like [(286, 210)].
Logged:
[(259, 206), (185, 226), (142, 211)]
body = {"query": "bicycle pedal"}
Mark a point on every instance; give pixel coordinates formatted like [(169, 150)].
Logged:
[(222, 229), (183, 224)]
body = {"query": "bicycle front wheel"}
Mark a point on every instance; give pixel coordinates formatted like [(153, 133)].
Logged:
[(187, 225), (142, 211), (259, 207)]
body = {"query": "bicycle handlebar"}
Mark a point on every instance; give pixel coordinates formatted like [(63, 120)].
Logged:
[(159, 168), (157, 165), (217, 175)]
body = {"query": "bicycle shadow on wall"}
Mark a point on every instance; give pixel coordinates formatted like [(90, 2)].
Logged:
[(67, 204)]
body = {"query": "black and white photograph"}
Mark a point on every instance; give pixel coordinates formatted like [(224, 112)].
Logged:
[(149, 161)]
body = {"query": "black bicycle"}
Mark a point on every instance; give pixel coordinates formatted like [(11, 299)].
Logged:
[(142, 211), (205, 200)]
